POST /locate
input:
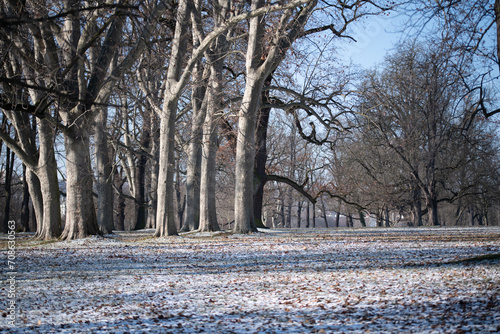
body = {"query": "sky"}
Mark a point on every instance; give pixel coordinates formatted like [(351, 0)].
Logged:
[(374, 39)]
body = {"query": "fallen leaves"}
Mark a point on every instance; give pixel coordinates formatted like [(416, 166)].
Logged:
[(383, 280)]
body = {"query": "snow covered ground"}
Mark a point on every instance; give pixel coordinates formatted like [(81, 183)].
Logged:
[(424, 280)]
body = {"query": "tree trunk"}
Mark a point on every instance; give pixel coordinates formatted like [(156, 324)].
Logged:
[(120, 219), (208, 214), (193, 175), (142, 161), (308, 214), (9, 168), (299, 213), (153, 183), (314, 216), (261, 154), (245, 156), (81, 219), (362, 219), (105, 199), (36, 199), (50, 226), (416, 208), (165, 214), (25, 207), (387, 217), (323, 209), (432, 207)]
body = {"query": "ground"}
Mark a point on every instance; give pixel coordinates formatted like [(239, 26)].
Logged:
[(425, 280)]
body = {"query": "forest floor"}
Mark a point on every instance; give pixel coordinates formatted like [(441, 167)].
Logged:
[(399, 280)]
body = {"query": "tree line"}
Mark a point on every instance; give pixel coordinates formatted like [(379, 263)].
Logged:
[(168, 112)]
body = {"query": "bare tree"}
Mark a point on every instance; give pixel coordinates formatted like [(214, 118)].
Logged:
[(415, 108)]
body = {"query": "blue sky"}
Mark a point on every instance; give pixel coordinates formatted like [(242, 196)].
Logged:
[(374, 39)]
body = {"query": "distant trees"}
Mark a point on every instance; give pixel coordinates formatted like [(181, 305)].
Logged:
[(165, 109), (418, 139), (472, 29)]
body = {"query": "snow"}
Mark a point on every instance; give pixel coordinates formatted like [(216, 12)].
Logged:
[(424, 280)]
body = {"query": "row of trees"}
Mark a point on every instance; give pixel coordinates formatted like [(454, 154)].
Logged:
[(160, 111)]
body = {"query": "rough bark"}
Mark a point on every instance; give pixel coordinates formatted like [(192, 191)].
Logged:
[(81, 218), (9, 168), (208, 214), (259, 66), (49, 185), (105, 198), (165, 216), (245, 155), (25, 207), (192, 211)]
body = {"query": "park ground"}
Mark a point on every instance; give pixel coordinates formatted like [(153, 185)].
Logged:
[(395, 280)]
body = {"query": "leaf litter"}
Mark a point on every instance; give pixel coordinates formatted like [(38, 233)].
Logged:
[(424, 280)]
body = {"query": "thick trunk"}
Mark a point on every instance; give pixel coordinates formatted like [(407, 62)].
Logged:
[(261, 154), (362, 219), (192, 211), (432, 209), (36, 198), (49, 185), (81, 219), (165, 215), (416, 213), (208, 214), (104, 180), (245, 157), (387, 217)]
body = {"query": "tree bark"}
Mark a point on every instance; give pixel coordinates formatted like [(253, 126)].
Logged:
[(193, 173), (245, 152), (25, 207), (49, 184), (153, 183), (9, 168), (142, 161), (165, 216), (81, 219), (105, 198), (208, 214)]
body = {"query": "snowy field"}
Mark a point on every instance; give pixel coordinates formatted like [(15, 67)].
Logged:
[(426, 280)]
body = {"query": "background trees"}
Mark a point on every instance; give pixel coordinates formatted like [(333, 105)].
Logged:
[(242, 111)]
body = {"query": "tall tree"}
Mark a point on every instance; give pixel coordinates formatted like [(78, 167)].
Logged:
[(179, 71)]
